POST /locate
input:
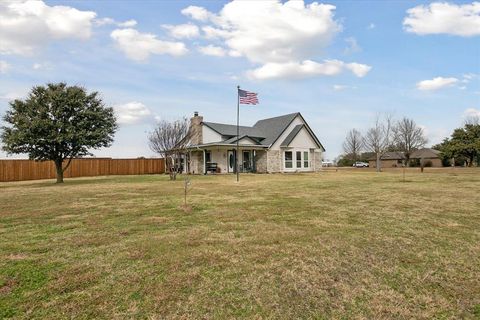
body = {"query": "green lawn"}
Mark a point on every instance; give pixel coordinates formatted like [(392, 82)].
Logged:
[(347, 244)]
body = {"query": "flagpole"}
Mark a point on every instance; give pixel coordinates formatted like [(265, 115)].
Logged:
[(238, 130)]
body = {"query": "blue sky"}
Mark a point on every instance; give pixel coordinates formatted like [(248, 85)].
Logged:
[(339, 63)]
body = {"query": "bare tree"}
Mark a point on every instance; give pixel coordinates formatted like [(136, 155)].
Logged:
[(408, 137), (379, 137), (353, 144), (169, 139)]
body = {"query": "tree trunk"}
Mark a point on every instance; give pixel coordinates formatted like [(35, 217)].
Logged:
[(378, 162), (170, 164), (58, 167)]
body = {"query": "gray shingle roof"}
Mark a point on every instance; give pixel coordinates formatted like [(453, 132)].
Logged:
[(266, 131), (292, 135), (231, 130), (272, 128), (425, 153), (392, 155)]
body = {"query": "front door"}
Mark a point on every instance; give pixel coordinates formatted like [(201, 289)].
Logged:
[(231, 161), (247, 161)]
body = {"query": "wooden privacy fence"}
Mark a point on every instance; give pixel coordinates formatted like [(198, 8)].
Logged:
[(18, 170)]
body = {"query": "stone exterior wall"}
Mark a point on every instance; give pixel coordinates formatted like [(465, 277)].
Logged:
[(274, 161), (196, 129), (261, 161), (317, 156)]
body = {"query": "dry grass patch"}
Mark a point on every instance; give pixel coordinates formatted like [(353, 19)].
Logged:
[(346, 244)]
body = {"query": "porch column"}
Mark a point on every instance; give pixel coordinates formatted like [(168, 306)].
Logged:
[(204, 162)]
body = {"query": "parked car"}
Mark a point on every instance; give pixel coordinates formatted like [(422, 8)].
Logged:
[(360, 164)]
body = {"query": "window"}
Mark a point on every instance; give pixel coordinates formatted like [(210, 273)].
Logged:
[(208, 156), (299, 159), (305, 159), (288, 159)]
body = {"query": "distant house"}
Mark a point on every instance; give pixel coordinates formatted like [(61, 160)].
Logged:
[(280, 144), (388, 160), (430, 158)]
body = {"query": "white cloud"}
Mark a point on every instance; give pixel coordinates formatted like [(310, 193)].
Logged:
[(471, 116), (358, 69), (471, 112), (470, 76), (271, 31), (132, 113), (41, 65), (442, 17), (110, 21), (234, 53), (214, 33), (306, 68), (103, 21), (4, 66), (9, 96), (339, 87), (275, 35), (181, 31), (139, 46), (352, 46), (467, 77), (196, 13), (436, 83), (127, 24), (29, 24), (212, 50)]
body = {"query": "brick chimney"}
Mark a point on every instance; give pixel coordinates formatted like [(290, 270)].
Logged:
[(196, 129)]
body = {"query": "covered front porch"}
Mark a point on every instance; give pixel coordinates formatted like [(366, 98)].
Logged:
[(220, 159)]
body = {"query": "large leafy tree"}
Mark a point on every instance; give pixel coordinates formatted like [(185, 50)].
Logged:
[(464, 143), (58, 122)]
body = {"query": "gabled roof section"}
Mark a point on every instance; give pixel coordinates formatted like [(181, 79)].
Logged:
[(272, 128), (391, 155), (292, 135), (231, 130), (265, 132)]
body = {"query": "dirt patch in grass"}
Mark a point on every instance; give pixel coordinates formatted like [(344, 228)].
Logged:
[(7, 286)]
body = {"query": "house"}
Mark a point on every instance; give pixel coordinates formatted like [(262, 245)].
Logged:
[(280, 144), (430, 157), (388, 160)]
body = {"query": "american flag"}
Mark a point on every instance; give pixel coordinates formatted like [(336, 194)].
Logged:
[(247, 97)]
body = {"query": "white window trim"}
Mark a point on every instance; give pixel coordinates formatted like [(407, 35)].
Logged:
[(294, 160)]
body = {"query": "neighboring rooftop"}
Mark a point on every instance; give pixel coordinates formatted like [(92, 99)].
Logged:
[(393, 155), (425, 153)]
